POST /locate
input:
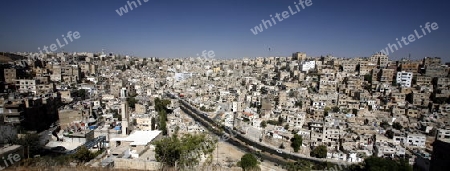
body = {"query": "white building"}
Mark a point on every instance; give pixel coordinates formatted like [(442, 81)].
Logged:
[(417, 140), (25, 86), (182, 76), (306, 66), (296, 120), (404, 78)]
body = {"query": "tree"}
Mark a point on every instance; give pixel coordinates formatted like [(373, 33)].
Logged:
[(368, 78), (296, 142), (248, 162), (326, 110), (264, 90), (390, 134), (335, 109), (161, 108), (280, 120), (153, 123), (299, 165), (298, 104), (162, 122), (31, 143), (263, 124), (83, 155), (131, 102), (203, 108), (380, 164), (394, 82), (319, 152), (433, 132), (397, 126), (286, 127), (184, 152), (82, 93), (384, 124)]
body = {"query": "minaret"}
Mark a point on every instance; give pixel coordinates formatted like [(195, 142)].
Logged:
[(124, 111)]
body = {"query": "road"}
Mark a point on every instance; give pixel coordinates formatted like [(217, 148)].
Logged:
[(291, 155)]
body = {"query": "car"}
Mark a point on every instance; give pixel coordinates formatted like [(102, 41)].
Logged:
[(279, 151), (58, 149)]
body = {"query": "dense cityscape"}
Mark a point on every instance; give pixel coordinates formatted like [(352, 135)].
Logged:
[(288, 113), (212, 85)]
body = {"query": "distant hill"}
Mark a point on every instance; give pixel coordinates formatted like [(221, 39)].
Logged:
[(9, 57)]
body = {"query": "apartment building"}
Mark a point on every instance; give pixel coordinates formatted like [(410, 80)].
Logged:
[(423, 80), (416, 140), (380, 59), (432, 61), (308, 65), (387, 75), (404, 78), (366, 67), (410, 66), (10, 75)]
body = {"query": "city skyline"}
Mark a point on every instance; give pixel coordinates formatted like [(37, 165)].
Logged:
[(171, 29)]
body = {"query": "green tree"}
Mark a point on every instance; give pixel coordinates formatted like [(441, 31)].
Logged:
[(299, 165), (83, 155), (390, 134), (31, 143), (319, 152), (380, 164), (368, 78), (263, 124), (326, 110), (397, 126), (162, 122), (203, 108), (335, 109), (296, 142), (161, 108), (298, 104), (280, 121), (185, 152), (286, 127), (248, 162), (82, 93), (384, 124), (131, 102), (153, 123)]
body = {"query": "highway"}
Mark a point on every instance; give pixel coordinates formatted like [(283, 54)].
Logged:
[(239, 140)]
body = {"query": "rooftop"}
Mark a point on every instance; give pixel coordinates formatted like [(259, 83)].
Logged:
[(139, 137)]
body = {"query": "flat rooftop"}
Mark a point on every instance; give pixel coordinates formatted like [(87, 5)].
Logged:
[(139, 137), (9, 148)]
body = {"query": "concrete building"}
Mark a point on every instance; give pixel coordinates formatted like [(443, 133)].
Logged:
[(404, 78), (135, 150), (380, 59), (306, 66), (10, 75), (415, 140)]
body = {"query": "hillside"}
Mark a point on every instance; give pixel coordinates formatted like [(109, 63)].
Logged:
[(9, 57)]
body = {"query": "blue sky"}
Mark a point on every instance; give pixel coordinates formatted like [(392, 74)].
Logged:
[(182, 28)]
